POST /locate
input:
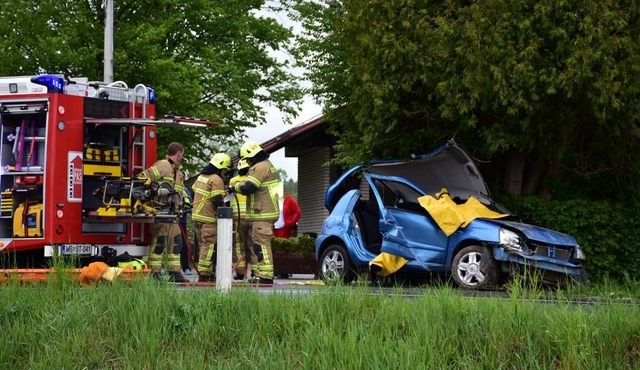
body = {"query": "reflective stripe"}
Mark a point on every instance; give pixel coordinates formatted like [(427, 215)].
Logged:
[(264, 268), (262, 216), (201, 191), (155, 262), (241, 261), (173, 262), (202, 218), (254, 181), (242, 205)]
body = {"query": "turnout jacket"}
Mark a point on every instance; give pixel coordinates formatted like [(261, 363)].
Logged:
[(262, 198), (208, 192), (166, 170)]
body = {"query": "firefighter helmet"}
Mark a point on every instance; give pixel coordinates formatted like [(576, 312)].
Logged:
[(221, 161), (249, 149), (242, 164)]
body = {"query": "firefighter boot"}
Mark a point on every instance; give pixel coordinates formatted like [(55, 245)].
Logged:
[(206, 278), (176, 277)]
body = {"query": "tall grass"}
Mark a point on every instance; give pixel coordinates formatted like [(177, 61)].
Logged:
[(147, 325)]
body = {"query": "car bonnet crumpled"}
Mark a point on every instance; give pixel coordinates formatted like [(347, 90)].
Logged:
[(450, 216)]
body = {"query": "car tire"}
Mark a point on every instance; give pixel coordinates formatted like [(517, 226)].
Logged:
[(335, 266), (473, 267)]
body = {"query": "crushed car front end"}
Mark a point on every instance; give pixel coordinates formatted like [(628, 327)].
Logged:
[(523, 247)]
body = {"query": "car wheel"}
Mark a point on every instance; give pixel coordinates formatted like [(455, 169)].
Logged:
[(473, 267), (334, 264)]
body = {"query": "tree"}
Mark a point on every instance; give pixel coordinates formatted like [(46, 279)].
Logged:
[(548, 88), (204, 58)]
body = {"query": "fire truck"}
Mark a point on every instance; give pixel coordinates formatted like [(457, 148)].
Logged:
[(69, 155)]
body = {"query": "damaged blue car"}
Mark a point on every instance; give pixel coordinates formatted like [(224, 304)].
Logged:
[(433, 214)]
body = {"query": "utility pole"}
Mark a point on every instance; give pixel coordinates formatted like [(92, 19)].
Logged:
[(108, 41)]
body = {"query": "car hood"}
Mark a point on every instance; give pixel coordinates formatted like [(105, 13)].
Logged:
[(446, 167), (537, 233)]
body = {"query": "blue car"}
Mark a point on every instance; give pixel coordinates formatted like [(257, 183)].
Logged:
[(378, 208)]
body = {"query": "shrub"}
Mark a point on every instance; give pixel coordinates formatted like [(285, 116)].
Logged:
[(302, 244), (608, 232)]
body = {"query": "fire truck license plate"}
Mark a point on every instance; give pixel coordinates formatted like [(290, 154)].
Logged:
[(76, 249)]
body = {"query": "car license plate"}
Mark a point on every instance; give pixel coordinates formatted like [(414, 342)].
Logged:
[(76, 249)]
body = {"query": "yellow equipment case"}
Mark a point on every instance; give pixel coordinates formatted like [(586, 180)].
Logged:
[(27, 224)]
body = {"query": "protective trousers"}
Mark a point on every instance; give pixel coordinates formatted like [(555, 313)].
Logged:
[(165, 238), (261, 256), (242, 237), (207, 234)]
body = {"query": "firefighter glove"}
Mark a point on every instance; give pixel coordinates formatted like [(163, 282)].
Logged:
[(236, 187), (187, 201)]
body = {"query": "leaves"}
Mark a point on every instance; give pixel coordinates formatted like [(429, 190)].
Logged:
[(547, 79), (209, 59)]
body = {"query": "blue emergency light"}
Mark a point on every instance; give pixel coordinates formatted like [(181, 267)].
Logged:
[(53, 83), (152, 95)]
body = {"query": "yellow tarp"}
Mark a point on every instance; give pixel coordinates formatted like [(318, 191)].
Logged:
[(388, 263), (451, 216)]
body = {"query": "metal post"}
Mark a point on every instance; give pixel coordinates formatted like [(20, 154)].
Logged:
[(224, 247), (108, 41)]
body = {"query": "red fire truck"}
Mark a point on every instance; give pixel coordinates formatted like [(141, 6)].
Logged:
[(69, 155)]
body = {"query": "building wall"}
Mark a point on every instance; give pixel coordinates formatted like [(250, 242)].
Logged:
[(313, 181)]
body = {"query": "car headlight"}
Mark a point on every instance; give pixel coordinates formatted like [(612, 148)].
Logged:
[(512, 241), (579, 254)]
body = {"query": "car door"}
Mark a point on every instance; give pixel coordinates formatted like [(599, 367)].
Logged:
[(407, 229)]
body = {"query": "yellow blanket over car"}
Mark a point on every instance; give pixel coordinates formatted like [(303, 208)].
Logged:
[(451, 216)]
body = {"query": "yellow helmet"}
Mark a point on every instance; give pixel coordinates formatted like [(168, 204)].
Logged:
[(221, 161), (249, 149), (242, 164)]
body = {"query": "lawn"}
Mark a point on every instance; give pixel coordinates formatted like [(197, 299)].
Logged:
[(149, 325)]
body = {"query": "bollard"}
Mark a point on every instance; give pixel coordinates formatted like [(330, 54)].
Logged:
[(223, 249)]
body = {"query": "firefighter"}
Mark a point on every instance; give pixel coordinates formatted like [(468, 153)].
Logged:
[(262, 207), (167, 238), (242, 234), (209, 193)]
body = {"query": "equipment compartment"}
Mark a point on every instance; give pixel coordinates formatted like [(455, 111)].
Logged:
[(22, 162)]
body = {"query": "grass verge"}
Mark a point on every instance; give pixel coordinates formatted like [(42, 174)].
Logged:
[(147, 325)]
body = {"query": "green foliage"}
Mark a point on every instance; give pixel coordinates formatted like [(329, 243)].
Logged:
[(608, 232), (291, 187), (549, 81), (205, 58), (304, 244)]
